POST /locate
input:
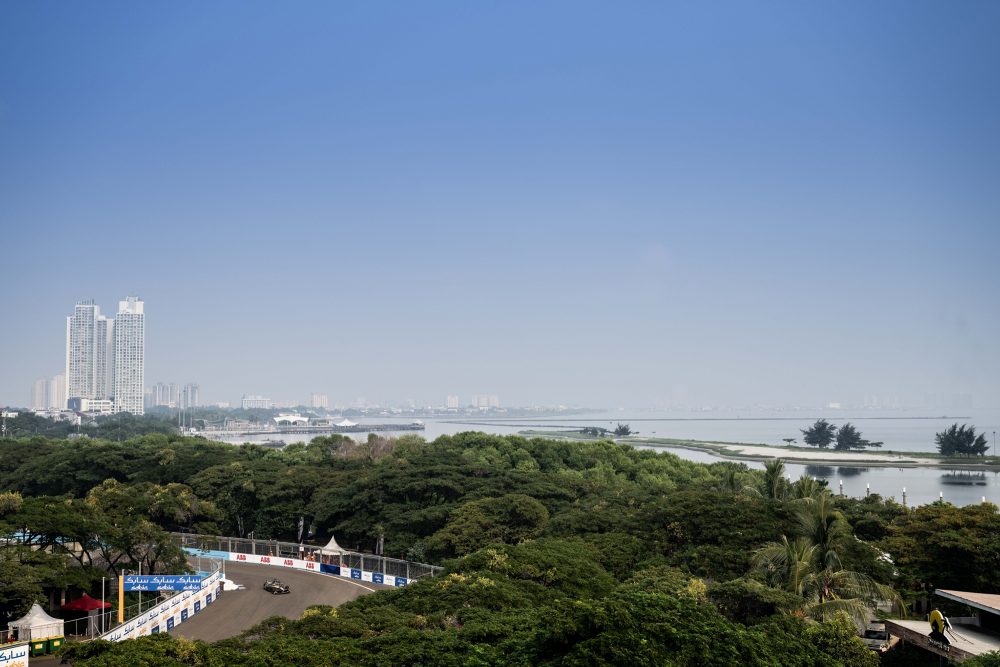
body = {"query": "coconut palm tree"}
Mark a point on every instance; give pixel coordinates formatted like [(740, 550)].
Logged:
[(808, 487), (810, 565), (774, 485)]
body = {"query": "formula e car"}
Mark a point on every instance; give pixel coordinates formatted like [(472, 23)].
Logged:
[(275, 587)]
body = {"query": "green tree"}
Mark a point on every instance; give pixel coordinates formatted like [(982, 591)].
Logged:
[(961, 440), (773, 484), (623, 429), (509, 519), (944, 546), (820, 434), (849, 437), (810, 565)]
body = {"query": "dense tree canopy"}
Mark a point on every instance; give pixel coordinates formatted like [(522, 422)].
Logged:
[(560, 552)]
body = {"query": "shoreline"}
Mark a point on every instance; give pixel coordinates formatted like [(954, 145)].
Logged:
[(739, 451)]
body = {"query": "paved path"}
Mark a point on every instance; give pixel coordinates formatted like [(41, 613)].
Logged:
[(236, 611)]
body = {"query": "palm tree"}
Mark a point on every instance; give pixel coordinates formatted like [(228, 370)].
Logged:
[(810, 565), (774, 486), (808, 487), (786, 564)]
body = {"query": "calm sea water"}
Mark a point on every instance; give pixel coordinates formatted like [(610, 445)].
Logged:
[(899, 430)]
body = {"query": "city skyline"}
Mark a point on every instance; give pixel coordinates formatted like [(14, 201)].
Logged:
[(783, 204), (105, 360)]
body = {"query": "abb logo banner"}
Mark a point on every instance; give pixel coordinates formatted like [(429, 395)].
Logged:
[(298, 564), (275, 560)]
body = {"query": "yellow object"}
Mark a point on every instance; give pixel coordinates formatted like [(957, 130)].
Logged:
[(121, 599), (937, 621)]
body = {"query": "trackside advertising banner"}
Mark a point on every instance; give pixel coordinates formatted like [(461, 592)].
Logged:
[(172, 612), (14, 655), (295, 563)]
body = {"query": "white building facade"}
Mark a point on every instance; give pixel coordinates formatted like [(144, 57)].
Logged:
[(255, 403), (87, 337), (129, 358)]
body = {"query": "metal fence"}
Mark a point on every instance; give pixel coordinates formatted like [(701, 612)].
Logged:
[(93, 625), (367, 562)]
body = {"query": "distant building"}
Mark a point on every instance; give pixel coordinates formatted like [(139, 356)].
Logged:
[(39, 391), (56, 397), (163, 394), (191, 397), (129, 343), (452, 402), (105, 359), (97, 406), (255, 403), (319, 401), (486, 401), (87, 337)]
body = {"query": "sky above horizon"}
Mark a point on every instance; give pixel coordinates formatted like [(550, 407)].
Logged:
[(606, 204)]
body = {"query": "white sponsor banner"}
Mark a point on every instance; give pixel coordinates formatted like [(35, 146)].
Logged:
[(275, 560), (14, 655), (170, 612), (312, 566)]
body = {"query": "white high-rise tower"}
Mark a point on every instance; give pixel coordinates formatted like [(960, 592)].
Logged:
[(129, 358), (87, 336)]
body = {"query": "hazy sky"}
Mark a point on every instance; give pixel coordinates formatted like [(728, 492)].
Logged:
[(578, 202)]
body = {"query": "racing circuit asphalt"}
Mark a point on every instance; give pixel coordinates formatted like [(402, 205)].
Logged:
[(236, 611)]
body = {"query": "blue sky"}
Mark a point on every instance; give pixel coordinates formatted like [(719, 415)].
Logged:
[(579, 202)]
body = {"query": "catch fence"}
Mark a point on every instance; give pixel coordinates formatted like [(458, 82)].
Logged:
[(213, 545)]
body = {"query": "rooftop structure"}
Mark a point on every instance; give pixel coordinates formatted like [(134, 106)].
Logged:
[(970, 636)]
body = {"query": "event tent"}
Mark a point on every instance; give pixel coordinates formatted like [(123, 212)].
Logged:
[(86, 603), (332, 548), (36, 624)]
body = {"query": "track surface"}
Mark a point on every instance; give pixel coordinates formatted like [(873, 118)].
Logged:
[(236, 611)]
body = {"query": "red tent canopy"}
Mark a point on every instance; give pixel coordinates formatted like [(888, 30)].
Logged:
[(86, 603)]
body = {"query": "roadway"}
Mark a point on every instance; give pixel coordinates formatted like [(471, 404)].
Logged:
[(236, 611)]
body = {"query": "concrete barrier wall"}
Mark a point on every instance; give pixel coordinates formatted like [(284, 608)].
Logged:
[(169, 613)]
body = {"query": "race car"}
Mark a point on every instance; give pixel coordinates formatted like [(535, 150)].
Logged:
[(275, 587)]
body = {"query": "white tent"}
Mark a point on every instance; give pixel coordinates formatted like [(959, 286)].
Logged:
[(346, 422), (332, 548), (36, 624)]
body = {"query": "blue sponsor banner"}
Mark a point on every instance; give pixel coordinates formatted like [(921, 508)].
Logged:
[(208, 598), (400, 581), (162, 582), (155, 630), (329, 569), (378, 578), (170, 624), (355, 573), (207, 553), (197, 606), (184, 615)]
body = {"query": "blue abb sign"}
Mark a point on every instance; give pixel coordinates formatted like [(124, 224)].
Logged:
[(162, 582)]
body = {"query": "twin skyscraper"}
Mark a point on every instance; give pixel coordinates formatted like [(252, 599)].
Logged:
[(105, 358)]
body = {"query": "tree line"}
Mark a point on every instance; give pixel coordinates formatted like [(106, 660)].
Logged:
[(556, 552), (954, 441)]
